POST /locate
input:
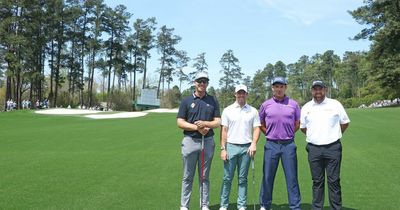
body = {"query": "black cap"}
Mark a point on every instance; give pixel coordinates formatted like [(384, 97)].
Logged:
[(318, 83)]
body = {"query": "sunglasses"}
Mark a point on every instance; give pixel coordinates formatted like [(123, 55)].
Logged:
[(204, 81)]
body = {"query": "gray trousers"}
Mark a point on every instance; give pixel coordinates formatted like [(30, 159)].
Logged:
[(192, 156)]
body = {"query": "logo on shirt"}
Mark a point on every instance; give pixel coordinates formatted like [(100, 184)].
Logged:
[(193, 105)]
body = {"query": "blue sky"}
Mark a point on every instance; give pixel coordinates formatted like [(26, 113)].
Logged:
[(258, 31)]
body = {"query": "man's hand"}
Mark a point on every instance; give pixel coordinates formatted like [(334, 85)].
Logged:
[(224, 155), (252, 150), (203, 130), (200, 124)]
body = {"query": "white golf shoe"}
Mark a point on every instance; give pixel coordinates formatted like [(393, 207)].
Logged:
[(223, 208), (242, 208), (205, 208), (262, 208), (183, 208)]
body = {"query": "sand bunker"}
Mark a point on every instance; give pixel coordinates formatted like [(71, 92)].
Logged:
[(101, 114), (163, 110), (61, 111), (117, 115)]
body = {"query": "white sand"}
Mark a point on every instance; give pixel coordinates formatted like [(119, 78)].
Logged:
[(117, 115), (61, 111), (162, 110), (94, 114)]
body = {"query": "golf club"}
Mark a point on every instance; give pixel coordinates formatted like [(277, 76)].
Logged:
[(254, 183), (202, 172)]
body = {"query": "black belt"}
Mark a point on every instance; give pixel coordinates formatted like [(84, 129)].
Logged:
[(281, 141), (327, 145)]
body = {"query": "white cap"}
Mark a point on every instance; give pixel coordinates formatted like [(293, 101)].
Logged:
[(201, 74), (240, 87)]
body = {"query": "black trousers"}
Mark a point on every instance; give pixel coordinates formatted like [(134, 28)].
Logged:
[(325, 158)]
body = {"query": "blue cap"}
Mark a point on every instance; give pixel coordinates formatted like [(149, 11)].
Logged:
[(279, 80)]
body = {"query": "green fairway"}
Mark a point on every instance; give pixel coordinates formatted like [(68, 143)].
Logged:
[(72, 162)]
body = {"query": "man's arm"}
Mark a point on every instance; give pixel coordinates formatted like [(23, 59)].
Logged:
[(304, 130), (343, 127), (296, 125), (209, 124), (263, 127), (223, 140), (183, 124), (253, 146)]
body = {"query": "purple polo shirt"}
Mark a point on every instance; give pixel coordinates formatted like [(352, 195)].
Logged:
[(279, 118)]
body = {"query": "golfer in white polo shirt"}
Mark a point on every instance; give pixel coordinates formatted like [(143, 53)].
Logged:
[(239, 136), (324, 120)]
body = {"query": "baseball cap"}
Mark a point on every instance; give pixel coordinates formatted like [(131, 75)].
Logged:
[(318, 83), (279, 80), (201, 74), (240, 87)]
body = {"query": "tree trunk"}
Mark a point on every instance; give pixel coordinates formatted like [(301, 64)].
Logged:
[(159, 79), (18, 89), (134, 78), (51, 94), (91, 78), (144, 72), (83, 57), (8, 92)]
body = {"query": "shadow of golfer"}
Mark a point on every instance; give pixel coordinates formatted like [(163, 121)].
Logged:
[(304, 206)]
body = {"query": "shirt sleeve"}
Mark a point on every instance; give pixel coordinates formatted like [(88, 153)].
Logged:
[(261, 114), (256, 121), (297, 112), (182, 110), (303, 117), (217, 112), (224, 118), (342, 114)]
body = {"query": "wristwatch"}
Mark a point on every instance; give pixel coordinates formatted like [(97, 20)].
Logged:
[(222, 148)]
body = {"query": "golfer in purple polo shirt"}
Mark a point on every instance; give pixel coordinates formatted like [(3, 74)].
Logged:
[(280, 119)]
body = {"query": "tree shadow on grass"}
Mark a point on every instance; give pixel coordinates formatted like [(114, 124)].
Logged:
[(304, 206)]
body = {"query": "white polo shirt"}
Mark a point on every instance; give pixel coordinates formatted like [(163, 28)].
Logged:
[(240, 122), (323, 121)]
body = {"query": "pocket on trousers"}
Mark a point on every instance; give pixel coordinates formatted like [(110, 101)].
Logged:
[(340, 148), (184, 146)]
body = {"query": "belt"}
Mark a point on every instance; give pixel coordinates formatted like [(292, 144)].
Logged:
[(281, 141), (326, 145), (240, 145)]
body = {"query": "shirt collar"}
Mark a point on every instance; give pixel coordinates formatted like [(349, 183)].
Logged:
[(237, 105), (323, 102), (194, 96), (280, 101)]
